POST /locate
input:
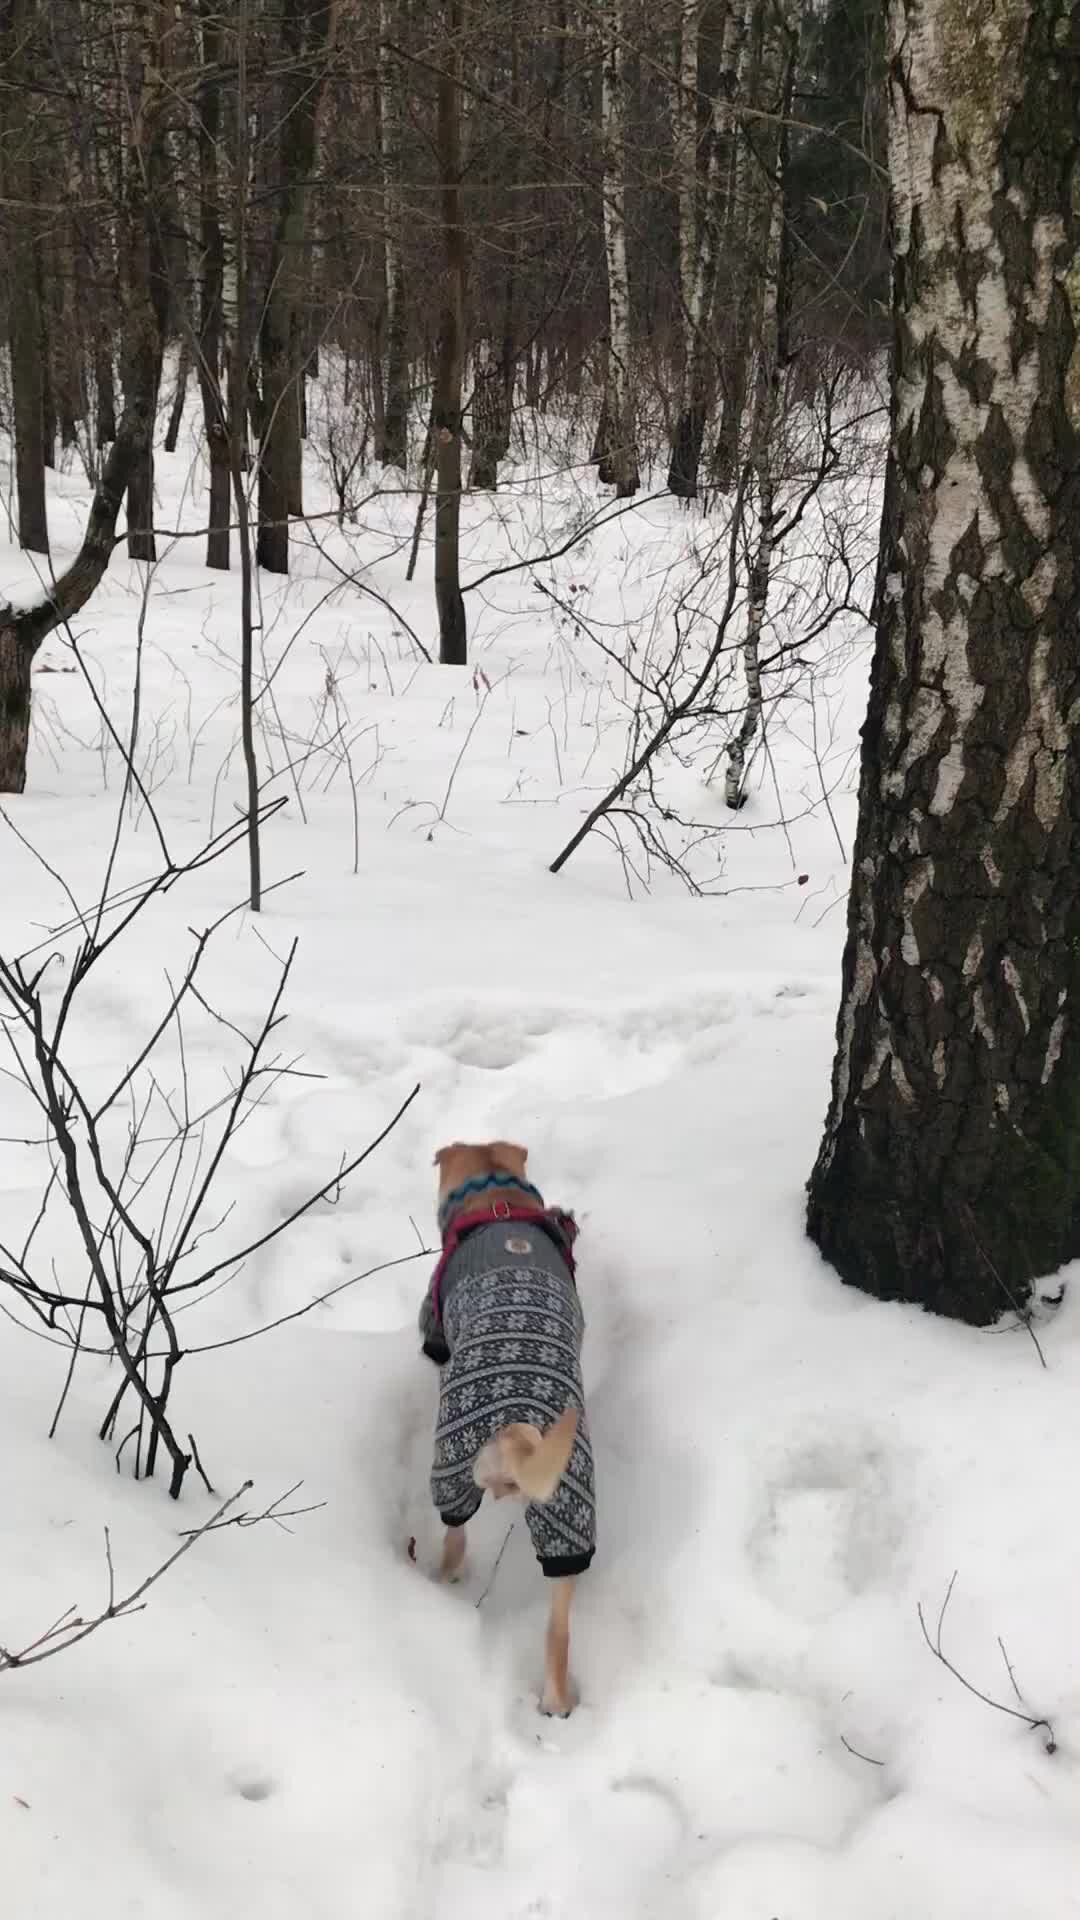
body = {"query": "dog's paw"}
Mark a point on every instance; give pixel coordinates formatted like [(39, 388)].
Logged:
[(554, 1706)]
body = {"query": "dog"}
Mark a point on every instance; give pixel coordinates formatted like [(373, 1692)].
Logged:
[(503, 1320)]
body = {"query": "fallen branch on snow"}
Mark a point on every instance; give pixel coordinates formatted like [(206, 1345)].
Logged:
[(1035, 1722), (67, 1631)]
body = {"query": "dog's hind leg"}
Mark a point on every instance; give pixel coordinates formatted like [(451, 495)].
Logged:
[(558, 1696), (453, 1553)]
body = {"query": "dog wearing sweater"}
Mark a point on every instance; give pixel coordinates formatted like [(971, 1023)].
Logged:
[(502, 1319)]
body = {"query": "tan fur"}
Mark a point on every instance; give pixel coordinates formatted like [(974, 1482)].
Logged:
[(520, 1462), (460, 1162), (558, 1696), (524, 1463)]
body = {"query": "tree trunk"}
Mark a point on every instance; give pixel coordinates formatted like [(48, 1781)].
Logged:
[(25, 331), (618, 466), (489, 444), (146, 289), (949, 1172), (305, 37), (772, 334), (394, 441), (15, 665), (176, 414), (22, 632), (684, 164), (28, 396), (48, 394), (700, 381), (746, 227), (104, 390), (211, 293), (449, 365)]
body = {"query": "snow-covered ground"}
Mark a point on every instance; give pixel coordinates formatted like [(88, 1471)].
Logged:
[(301, 1723)]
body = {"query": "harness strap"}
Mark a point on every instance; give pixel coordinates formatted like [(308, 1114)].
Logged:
[(560, 1227)]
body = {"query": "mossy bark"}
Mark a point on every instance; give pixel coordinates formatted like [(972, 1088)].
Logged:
[(949, 1172)]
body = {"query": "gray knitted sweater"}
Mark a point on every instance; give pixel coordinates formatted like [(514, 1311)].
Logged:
[(512, 1324)]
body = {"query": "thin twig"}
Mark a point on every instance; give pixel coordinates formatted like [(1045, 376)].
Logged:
[(67, 1632), (1036, 1722), (276, 1511), (498, 1563)]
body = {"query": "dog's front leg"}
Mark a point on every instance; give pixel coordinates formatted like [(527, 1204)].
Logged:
[(558, 1696), (453, 1553)]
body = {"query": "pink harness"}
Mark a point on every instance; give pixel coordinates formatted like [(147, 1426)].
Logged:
[(562, 1227)]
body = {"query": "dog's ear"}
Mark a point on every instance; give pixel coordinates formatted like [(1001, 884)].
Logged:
[(508, 1158)]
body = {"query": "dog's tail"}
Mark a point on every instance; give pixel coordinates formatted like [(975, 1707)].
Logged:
[(539, 1465)]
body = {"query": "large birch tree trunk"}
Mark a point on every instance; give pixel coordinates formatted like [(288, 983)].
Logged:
[(949, 1172)]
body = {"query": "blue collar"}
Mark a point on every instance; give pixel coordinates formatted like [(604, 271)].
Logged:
[(480, 1184)]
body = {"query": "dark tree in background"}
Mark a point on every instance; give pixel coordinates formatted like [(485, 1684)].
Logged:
[(949, 1173), (21, 174)]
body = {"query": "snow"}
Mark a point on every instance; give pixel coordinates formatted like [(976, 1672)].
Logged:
[(303, 1722)]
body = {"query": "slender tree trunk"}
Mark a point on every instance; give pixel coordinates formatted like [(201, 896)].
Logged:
[(619, 464), (16, 661), (68, 354), (22, 631), (100, 266), (508, 357), (48, 391), (176, 412), (487, 419), (949, 1172), (700, 293), (684, 164), (772, 334), (746, 227), (211, 293), (21, 173), (104, 391), (305, 38), (394, 444), (147, 274), (453, 647)]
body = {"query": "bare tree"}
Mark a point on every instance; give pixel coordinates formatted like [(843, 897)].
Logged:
[(137, 1164)]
